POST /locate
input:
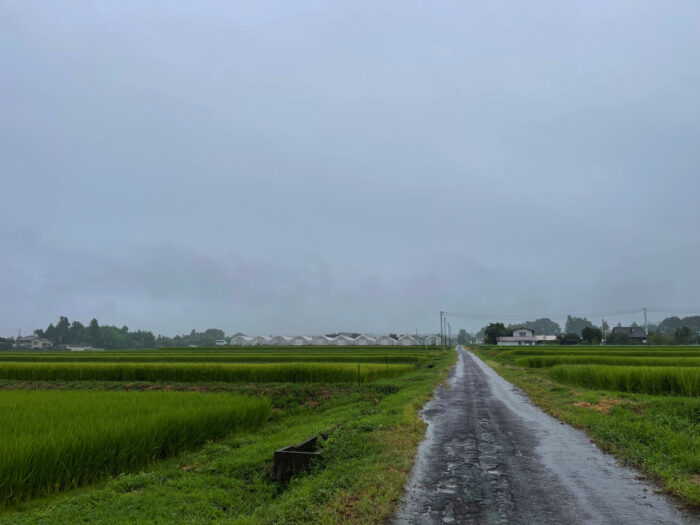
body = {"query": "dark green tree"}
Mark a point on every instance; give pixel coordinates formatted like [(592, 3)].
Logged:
[(493, 331), (683, 336), (592, 335), (575, 325)]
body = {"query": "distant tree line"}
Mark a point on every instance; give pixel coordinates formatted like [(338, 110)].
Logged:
[(110, 337)]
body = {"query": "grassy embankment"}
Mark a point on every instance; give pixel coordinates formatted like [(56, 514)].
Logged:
[(374, 432), (607, 393)]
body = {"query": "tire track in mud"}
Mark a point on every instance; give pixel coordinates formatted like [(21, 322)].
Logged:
[(491, 456)]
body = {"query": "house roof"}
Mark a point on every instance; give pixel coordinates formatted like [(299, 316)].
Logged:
[(516, 328)]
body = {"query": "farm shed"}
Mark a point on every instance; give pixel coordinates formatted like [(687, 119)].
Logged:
[(259, 340), (300, 340), (280, 340), (322, 340), (343, 340), (34, 342), (242, 340), (363, 340), (407, 340), (636, 334), (385, 340)]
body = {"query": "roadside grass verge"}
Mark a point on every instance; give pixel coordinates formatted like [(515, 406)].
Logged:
[(672, 381), (658, 434), (374, 433), (53, 440), (540, 361)]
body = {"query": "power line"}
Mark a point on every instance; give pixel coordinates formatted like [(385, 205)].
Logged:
[(609, 313)]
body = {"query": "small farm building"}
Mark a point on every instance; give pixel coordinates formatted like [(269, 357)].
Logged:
[(34, 342), (407, 340), (432, 340), (259, 340), (385, 340), (300, 340), (363, 340), (635, 333)]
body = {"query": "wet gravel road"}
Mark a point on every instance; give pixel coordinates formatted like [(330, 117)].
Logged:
[(492, 457)]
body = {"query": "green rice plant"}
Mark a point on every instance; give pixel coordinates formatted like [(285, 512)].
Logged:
[(547, 361), (189, 372), (248, 357), (52, 440), (678, 381)]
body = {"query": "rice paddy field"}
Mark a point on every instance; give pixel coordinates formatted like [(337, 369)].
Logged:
[(641, 403), (173, 435)]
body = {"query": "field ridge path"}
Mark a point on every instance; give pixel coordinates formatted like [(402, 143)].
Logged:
[(490, 456)]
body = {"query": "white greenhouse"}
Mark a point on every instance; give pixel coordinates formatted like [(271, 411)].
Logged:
[(241, 340), (407, 340), (432, 340), (322, 340), (385, 340), (364, 340), (300, 340), (280, 340)]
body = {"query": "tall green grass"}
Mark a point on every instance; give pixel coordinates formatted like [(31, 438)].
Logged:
[(610, 351), (187, 372), (547, 361), (52, 440), (675, 381)]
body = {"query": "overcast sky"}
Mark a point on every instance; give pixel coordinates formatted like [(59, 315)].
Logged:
[(305, 167)]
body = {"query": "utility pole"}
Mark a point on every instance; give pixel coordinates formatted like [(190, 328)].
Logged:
[(442, 339), (646, 325), (602, 329)]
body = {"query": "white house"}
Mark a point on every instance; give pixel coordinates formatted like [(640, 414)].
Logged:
[(385, 340), (259, 340), (34, 342), (241, 340), (432, 340), (364, 340), (300, 340), (407, 340), (521, 337), (322, 340)]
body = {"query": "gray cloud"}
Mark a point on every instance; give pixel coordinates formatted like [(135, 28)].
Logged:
[(312, 167)]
